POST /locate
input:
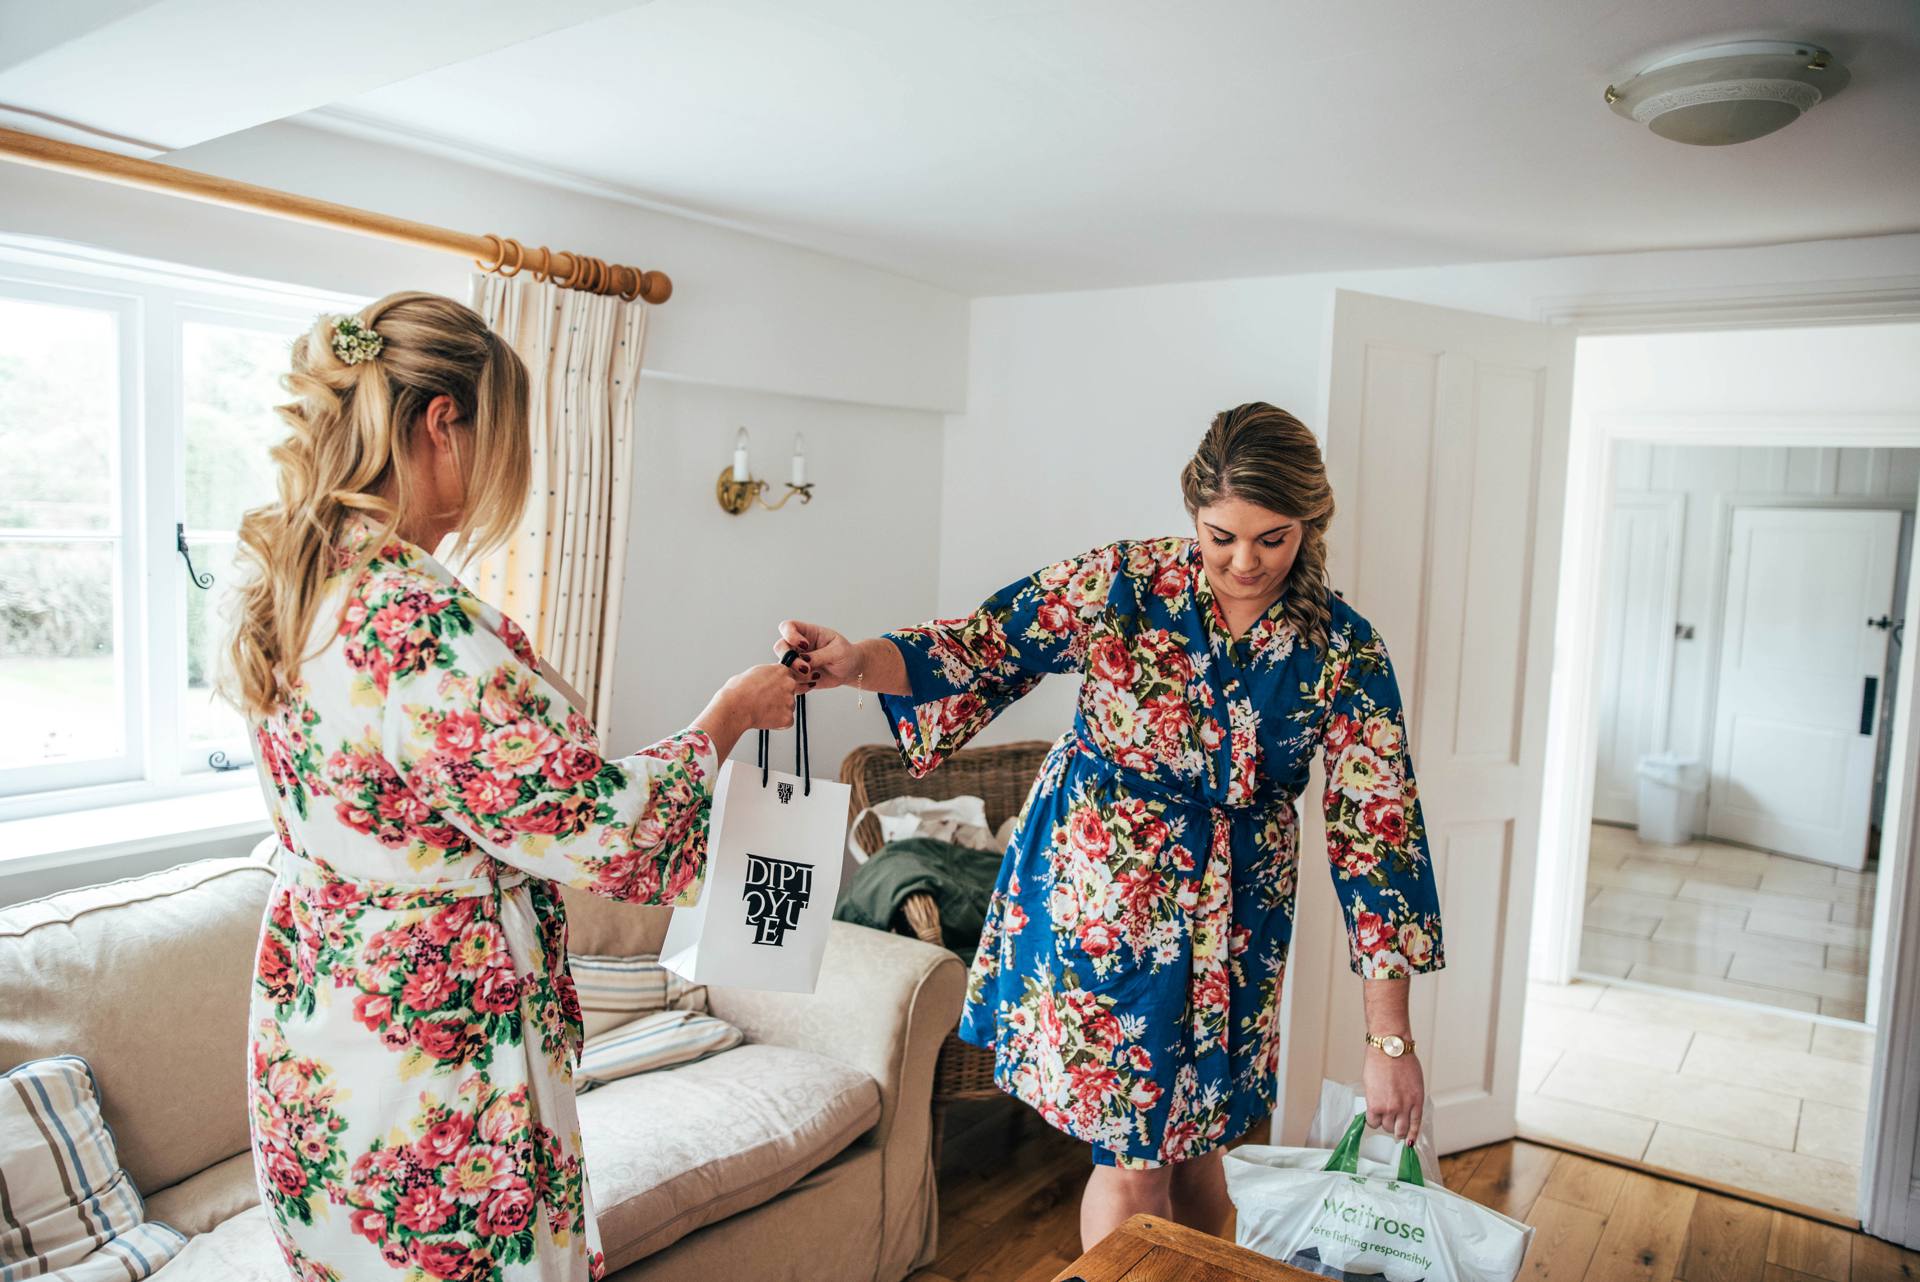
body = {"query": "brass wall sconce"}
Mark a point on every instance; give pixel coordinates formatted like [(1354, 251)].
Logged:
[(738, 490)]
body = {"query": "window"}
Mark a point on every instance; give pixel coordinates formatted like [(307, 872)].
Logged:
[(136, 419)]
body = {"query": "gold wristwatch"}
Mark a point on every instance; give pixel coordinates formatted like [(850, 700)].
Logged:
[(1393, 1044)]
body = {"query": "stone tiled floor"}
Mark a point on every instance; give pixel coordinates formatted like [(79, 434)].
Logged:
[(1730, 921), (1767, 1099)]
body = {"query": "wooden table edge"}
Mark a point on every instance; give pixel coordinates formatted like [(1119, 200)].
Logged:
[(1115, 1255)]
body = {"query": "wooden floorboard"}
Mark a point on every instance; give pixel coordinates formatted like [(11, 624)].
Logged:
[(1010, 1212)]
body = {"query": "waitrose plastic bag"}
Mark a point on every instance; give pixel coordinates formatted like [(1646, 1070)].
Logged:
[(1339, 1101), (1344, 1216)]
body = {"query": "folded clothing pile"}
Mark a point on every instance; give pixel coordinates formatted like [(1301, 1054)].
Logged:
[(960, 879)]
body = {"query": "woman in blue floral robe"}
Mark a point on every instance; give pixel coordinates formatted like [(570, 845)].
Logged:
[(1129, 975)]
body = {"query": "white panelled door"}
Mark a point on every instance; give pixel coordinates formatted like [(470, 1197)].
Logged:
[(1797, 708), (1636, 659), (1446, 443)]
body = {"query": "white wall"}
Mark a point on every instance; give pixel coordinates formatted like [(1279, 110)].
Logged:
[(859, 557), (757, 333), (1082, 407)]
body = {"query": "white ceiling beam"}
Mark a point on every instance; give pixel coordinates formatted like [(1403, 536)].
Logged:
[(158, 75)]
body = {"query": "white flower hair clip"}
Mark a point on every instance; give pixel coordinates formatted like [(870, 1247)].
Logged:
[(354, 342)]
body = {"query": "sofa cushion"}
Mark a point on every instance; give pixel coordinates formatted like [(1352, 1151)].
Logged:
[(612, 990), (205, 1198), (671, 1151), (145, 979), (667, 1153), (67, 1206), (663, 1039), (240, 1249)]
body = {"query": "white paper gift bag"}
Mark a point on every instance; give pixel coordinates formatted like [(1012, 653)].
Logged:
[(773, 876)]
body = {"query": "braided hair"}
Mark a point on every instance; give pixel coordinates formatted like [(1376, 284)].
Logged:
[(1267, 457)]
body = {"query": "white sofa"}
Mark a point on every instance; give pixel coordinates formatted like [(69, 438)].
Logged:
[(803, 1154)]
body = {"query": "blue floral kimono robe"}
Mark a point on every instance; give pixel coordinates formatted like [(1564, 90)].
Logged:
[(1130, 970)]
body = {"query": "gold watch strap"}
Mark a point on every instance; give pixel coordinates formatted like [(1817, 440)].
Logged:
[(1377, 1039)]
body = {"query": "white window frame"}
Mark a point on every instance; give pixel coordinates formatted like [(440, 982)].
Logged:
[(152, 302), (121, 530)]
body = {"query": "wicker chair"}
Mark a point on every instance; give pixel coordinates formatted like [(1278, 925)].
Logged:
[(1002, 776)]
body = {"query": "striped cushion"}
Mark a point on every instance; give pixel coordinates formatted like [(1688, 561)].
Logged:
[(659, 1040), (65, 1201), (615, 989)]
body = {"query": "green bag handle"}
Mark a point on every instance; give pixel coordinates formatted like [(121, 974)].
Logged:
[(1346, 1154)]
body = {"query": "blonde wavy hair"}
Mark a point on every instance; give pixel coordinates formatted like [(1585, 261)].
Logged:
[(348, 453), (1267, 457)]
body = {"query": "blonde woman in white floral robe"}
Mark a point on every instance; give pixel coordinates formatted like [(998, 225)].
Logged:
[(413, 1024)]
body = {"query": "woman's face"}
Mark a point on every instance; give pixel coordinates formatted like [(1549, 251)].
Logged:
[(1247, 550)]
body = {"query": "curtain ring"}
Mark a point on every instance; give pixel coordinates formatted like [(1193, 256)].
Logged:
[(519, 254), (565, 278), (497, 252), (544, 272), (627, 295), (599, 281)]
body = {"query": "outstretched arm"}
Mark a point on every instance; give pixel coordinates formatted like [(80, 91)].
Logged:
[(478, 737), (940, 683), (830, 659)]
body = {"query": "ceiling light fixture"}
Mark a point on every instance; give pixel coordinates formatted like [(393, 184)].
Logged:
[(1729, 93)]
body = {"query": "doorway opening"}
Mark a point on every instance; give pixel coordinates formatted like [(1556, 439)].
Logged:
[(1710, 929)]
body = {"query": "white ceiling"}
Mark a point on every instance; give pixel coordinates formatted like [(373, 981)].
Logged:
[(146, 76), (998, 146)]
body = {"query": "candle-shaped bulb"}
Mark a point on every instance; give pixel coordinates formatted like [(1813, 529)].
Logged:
[(799, 460), (740, 456)]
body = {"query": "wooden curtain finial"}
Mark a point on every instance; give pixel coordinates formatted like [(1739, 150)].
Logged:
[(507, 257)]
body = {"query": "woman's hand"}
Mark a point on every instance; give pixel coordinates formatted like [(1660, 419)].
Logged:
[(1396, 1092), (826, 660), (761, 698)]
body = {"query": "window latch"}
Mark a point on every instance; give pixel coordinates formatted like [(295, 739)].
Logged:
[(201, 579)]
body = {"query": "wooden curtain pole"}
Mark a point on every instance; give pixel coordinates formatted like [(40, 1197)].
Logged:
[(490, 253)]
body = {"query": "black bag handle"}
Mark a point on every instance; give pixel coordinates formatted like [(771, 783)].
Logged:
[(802, 754)]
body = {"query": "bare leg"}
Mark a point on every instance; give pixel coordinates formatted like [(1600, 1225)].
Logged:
[(1113, 1195), (1199, 1194)]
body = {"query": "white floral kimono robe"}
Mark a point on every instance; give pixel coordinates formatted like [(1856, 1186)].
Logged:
[(413, 1025)]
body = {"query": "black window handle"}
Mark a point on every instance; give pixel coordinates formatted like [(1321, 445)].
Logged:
[(1868, 703), (201, 579)]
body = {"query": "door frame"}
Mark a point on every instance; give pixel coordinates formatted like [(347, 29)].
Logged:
[(1674, 504), (1889, 1204)]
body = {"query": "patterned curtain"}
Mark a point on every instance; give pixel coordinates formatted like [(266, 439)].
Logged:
[(560, 577)]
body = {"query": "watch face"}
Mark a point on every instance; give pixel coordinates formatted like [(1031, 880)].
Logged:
[(1392, 1045)]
